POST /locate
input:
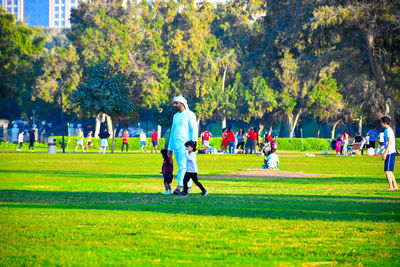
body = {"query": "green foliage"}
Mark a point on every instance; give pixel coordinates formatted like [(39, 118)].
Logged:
[(164, 115), (61, 63), (103, 90), (20, 48)]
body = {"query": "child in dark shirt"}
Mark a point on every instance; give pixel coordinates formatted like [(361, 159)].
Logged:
[(167, 169)]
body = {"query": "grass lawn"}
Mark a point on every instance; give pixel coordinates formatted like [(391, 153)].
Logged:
[(91, 209)]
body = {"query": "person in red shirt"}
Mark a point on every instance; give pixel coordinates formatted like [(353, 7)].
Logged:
[(154, 139), (205, 136), (225, 142), (231, 141), (251, 141), (125, 141)]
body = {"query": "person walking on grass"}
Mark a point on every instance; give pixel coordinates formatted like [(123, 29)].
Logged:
[(20, 140), (79, 142), (184, 129), (191, 169), (225, 142), (231, 141), (240, 135), (154, 140), (125, 141), (89, 140), (167, 170), (143, 143), (389, 154), (104, 135), (32, 137)]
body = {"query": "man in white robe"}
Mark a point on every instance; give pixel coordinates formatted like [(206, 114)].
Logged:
[(184, 128)]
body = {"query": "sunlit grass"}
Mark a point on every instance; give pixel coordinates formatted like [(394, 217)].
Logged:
[(90, 209)]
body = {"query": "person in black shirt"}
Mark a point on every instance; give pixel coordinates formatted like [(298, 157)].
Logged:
[(32, 137), (104, 135)]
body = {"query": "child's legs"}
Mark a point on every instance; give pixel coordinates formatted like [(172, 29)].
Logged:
[(185, 182), (196, 181)]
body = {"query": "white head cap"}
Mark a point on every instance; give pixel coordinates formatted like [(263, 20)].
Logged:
[(182, 100)]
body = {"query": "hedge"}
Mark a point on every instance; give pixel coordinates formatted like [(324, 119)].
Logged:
[(310, 144)]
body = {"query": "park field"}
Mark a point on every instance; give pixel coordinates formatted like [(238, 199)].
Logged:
[(90, 209)]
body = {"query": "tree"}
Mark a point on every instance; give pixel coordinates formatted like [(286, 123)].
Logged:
[(292, 94), (366, 32), (62, 63), (104, 90), (20, 60)]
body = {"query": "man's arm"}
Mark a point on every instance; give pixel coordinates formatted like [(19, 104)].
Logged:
[(171, 138), (193, 129), (384, 153)]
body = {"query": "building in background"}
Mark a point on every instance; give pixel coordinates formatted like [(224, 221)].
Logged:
[(60, 12), (45, 13), (15, 7)]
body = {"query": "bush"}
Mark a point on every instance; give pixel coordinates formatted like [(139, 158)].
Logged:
[(294, 144), (134, 143)]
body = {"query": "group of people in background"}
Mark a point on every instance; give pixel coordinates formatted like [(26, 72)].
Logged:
[(240, 142), (342, 142)]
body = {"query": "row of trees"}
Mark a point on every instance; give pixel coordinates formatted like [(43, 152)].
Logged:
[(269, 61)]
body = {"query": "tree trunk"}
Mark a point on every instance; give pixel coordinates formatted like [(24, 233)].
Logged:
[(113, 140), (99, 119), (293, 122), (270, 129), (260, 128), (334, 129), (109, 125), (223, 124), (360, 124), (319, 130), (389, 111)]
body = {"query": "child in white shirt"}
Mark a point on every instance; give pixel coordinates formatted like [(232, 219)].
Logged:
[(191, 169), (272, 161), (20, 140)]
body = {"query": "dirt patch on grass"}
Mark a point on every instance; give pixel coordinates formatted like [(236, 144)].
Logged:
[(268, 174)]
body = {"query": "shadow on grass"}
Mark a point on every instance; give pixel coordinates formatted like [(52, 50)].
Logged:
[(309, 207), (221, 177)]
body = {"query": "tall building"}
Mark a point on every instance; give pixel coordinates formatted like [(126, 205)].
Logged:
[(46, 13), (60, 12), (15, 7)]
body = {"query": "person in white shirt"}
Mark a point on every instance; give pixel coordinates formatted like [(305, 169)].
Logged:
[(272, 161), (184, 129), (191, 169), (143, 142), (389, 154), (20, 140)]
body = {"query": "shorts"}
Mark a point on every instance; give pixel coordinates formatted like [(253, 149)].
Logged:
[(143, 143), (79, 142), (206, 143), (389, 162), (168, 178), (155, 143), (104, 142)]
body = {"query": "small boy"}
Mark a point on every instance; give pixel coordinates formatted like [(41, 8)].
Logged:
[(79, 142), (191, 169), (272, 161), (167, 169), (20, 140)]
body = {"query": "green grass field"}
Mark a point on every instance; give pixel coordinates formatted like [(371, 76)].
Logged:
[(91, 209)]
